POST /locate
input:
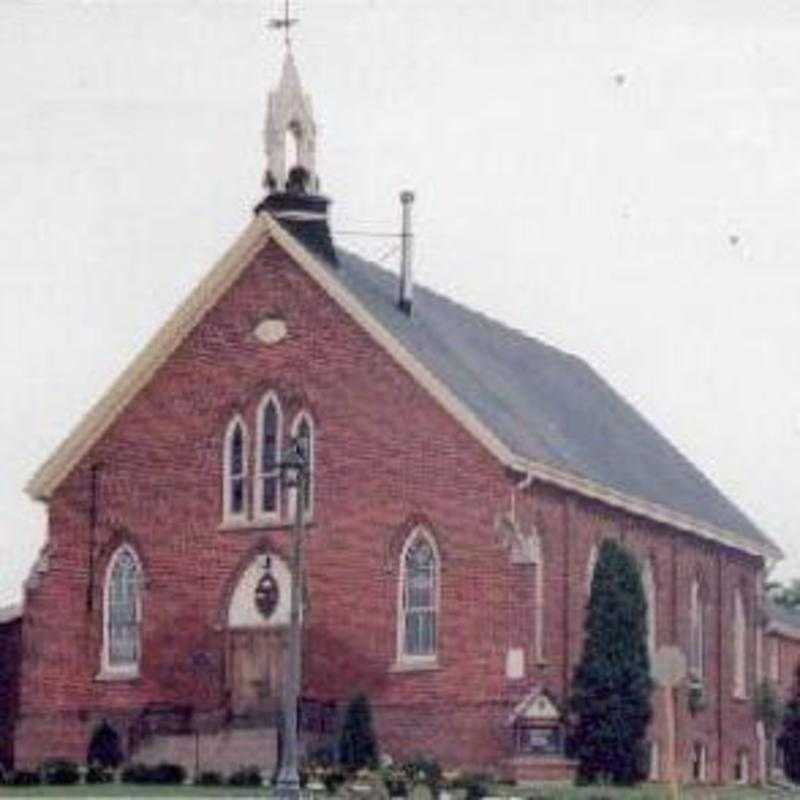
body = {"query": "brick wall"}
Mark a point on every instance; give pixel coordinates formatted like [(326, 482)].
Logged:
[(388, 457)]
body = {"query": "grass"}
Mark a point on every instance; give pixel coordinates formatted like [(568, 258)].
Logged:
[(544, 791)]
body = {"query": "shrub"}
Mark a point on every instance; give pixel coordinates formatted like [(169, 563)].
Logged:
[(167, 774), (209, 779), (96, 774), (333, 779), (611, 688), (427, 770), (23, 777), (246, 776), (135, 773), (476, 785), (789, 740), (59, 772), (104, 747), (358, 747)]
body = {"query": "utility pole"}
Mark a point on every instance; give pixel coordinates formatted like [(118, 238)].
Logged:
[(294, 469)]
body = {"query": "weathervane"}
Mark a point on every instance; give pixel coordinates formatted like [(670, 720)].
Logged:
[(285, 23)]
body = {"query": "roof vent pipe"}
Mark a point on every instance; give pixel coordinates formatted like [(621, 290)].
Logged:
[(407, 255)]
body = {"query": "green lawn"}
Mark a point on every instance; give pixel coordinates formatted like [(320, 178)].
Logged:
[(535, 792)]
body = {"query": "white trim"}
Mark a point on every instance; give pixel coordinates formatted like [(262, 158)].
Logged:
[(258, 488), (743, 763), (703, 762), (403, 658), (229, 517), (291, 500), (109, 671), (219, 280)]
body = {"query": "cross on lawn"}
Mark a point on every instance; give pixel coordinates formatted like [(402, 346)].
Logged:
[(285, 23)]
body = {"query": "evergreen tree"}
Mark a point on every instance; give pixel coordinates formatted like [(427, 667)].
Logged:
[(611, 687), (357, 745), (789, 739), (104, 747)]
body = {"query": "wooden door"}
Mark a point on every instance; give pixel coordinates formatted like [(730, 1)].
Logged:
[(255, 669)]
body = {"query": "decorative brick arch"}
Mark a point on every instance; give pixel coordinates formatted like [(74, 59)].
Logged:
[(262, 547), (396, 539)]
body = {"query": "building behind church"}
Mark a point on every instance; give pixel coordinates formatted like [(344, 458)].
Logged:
[(463, 477)]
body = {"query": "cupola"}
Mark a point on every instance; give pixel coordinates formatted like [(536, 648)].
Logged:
[(291, 179)]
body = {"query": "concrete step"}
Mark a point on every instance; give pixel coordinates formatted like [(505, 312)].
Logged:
[(224, 751)]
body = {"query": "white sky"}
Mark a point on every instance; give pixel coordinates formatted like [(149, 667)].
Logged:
[(593, 215)]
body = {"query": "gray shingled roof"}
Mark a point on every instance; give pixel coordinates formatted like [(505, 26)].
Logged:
[(783, 615), (544, 404)]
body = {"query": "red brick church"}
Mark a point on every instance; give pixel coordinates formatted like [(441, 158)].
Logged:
[(463, 476)]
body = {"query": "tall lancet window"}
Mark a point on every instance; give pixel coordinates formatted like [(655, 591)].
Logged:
[(649, 587), (697, 644), (235, 470), (122, 613), (303, 432), (267, 479), (739, 645), (419, 588)]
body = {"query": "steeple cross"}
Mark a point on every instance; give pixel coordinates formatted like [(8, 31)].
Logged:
[(285, 23)]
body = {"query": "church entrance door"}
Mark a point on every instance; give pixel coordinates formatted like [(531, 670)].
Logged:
[(256, 666)]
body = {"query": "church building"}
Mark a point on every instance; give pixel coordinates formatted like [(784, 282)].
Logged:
[(463, 476)]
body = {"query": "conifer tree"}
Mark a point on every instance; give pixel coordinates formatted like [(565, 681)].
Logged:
[(789, 739), (611, 688), (357, 745)]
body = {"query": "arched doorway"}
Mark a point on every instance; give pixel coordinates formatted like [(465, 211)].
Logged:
[(257, 621)]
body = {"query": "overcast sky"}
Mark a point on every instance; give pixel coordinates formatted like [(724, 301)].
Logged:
[(618, 179)]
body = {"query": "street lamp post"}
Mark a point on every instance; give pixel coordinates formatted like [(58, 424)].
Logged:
[(294, 470)]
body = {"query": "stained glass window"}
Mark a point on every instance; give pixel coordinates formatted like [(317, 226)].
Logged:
[(419, 598), (304, 438), (237, 471), (123, 611), (268, 487)]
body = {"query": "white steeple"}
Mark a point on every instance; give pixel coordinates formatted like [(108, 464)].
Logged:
[(290, 132)]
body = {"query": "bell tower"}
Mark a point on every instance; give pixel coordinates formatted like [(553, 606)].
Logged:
[(290, 140), (290, 134)]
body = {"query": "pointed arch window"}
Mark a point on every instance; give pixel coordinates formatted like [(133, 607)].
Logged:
[(739, 645), (697, 644), (591, 563), (303, 432), (419, 599), (235, 471), (649, 587), (122, 611), (267, 490)]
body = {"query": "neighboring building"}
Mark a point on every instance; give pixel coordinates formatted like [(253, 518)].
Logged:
[(463, 477), (10, 659)]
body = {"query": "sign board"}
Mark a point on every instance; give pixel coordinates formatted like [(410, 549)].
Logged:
[(669, 666)]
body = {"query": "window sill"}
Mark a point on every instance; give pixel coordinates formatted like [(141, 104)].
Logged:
[(423, 665), (117, 676), (246, 525)]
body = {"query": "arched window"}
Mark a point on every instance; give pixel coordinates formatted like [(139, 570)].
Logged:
[(591, 563), (739, 645), (419, 598), (267, 478), (697, 645), (303, 432), (235, 470), (699, 762), (122, 613), (741, 768), (649, 587), (538, 560)]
